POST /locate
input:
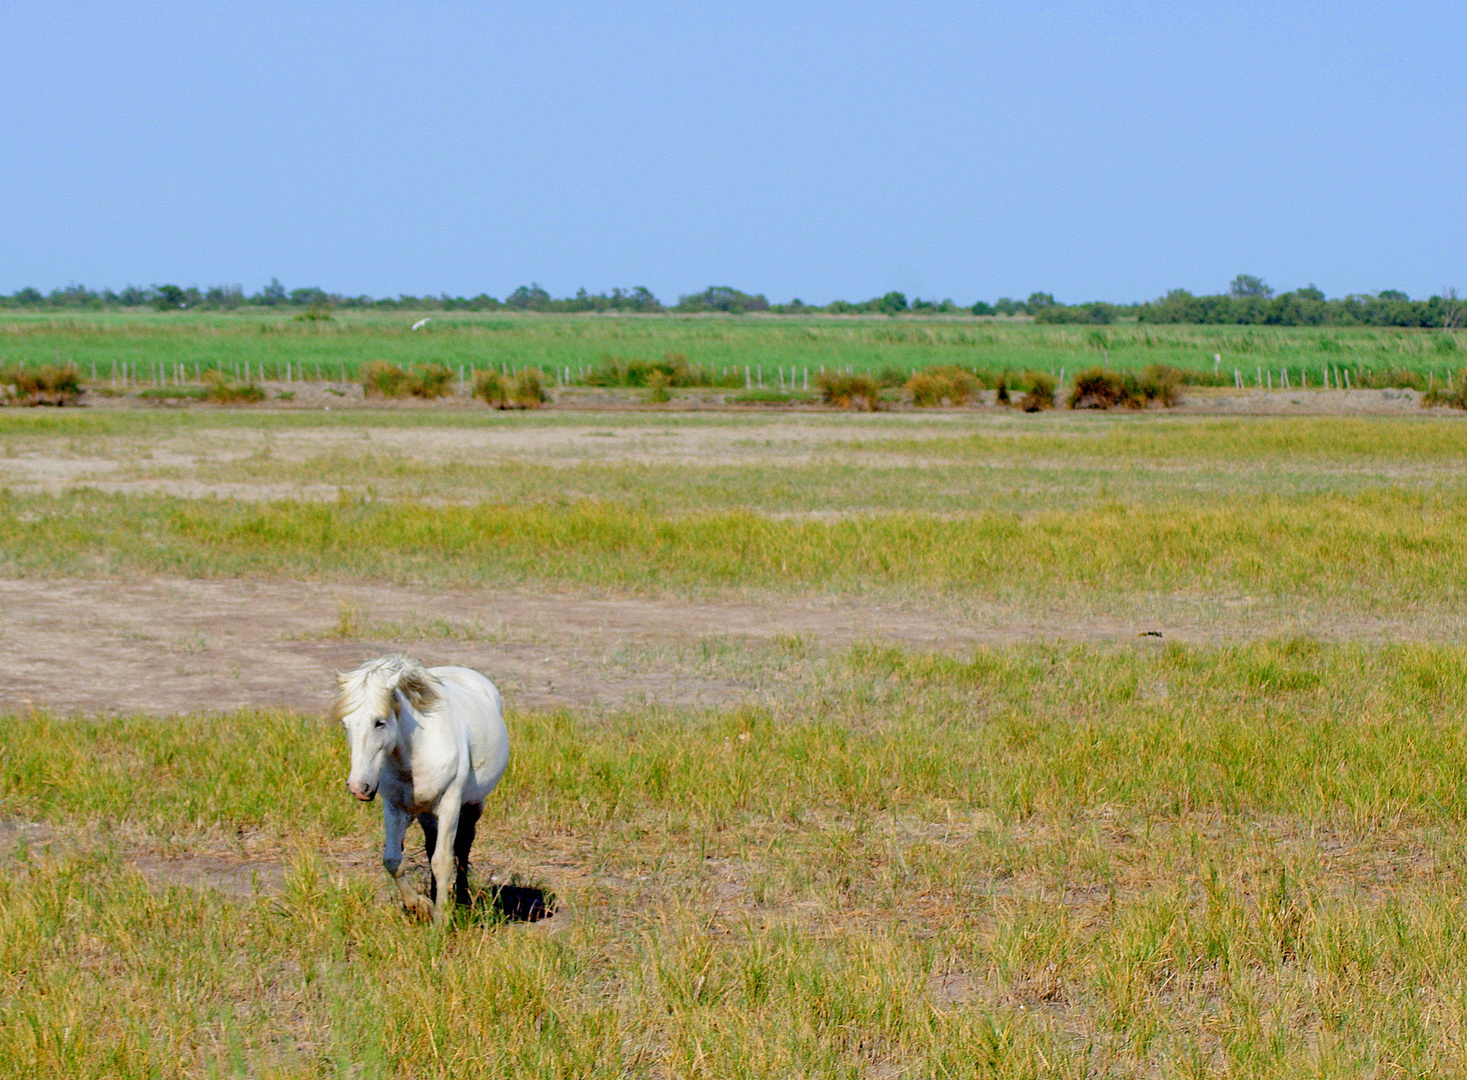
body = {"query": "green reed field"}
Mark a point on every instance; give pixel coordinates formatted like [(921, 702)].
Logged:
[(336, 349), (1130, 857)]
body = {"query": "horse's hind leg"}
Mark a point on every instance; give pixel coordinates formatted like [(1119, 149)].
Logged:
[(463, 839), (430, 843)]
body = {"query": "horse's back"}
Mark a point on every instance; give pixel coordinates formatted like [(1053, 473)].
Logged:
[(475, 703)]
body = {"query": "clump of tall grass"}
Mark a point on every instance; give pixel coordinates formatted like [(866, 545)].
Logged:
[(1039, 394), (47, 385), (381, 379), (1099, 388), (221, 391), (1037, 387), (1191, 377), (1389, 379), (657, 388), (849, 391), (522, 390), (1453, 395), (673, 368), (936, 385), (891, 377)]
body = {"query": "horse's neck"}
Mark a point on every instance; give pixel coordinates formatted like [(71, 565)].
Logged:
[(409, 728)]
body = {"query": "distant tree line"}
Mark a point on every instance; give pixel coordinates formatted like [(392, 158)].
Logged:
[(1248, 301)]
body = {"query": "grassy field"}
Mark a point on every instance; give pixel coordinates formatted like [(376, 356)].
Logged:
[(152, 342), (1035, 861), (1134, 857)]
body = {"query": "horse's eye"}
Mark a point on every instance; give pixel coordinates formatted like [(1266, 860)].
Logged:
[(380, 723)]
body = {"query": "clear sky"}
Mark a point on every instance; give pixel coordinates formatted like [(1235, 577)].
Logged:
[(1097, 151)]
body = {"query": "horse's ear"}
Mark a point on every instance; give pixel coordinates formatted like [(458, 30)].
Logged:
[(417, 686)]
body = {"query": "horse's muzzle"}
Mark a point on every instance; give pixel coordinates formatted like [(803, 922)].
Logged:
[(365, 795)]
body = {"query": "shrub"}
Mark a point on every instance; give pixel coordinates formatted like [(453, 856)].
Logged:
[(849, 391), (926, 390), (519, 391), (1163, 383), (381, 379), (1039, 394), (431, 381), (1096, 388), (46, 385), (223, 392), (1002, 386), (657, 385), (939, 384), (891, 377)]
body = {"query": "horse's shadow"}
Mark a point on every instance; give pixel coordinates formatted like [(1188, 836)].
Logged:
[(493, 905), (490, 904), (511, 903)]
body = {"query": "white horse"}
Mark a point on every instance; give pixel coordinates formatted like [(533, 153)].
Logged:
[(433, 741)]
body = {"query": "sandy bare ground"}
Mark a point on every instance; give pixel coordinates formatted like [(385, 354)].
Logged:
[(175, 646)]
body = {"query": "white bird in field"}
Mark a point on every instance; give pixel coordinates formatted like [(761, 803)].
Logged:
[(419, 323)]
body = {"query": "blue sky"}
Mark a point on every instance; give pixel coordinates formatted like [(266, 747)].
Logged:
[(1096, 151)]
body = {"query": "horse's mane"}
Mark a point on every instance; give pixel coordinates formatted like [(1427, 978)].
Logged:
[(374, 682)]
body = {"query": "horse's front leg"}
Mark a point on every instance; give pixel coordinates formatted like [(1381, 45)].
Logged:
[(395, 822), (449, 808)]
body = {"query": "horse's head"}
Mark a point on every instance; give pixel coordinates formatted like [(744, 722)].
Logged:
[(367, 706)]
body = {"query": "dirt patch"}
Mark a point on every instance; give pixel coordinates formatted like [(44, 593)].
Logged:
[(175, 646)]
